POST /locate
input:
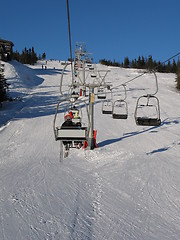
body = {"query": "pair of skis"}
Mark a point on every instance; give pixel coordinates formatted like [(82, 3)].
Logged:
[(64, 150)]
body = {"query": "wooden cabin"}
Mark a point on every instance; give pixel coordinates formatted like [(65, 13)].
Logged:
[(6, 50)]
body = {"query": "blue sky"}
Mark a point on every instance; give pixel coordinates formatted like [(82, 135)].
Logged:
[(111, 29)]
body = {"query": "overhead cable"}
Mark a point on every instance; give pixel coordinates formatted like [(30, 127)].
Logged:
[(69, 29), (146, 71)]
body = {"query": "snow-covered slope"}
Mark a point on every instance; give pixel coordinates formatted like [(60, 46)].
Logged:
[(127, 188)]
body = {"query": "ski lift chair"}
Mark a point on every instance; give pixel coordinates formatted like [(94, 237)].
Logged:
[(69, 134), (75, 95), (107, 107), (120, 110), (147, 114), (91, 68), (101, 93), (147, 111), (93, 75)]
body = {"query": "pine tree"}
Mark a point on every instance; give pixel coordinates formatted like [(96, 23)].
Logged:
[(16, 55), (141, 64), (44, 56), (178, 76), (126, 62), (29, 57), (150, 64), (3, 88), (174, 67), (33, 57), (134, 63)]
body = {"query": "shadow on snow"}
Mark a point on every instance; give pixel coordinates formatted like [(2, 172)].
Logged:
[(132, 134)]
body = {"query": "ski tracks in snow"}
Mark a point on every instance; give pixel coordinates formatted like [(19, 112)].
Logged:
[(33, 208), (163, 181)]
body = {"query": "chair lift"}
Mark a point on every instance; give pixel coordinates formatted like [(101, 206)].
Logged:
[(107, 107), (93, 72), (147, 111), (62, 76), (91, 68), (89, 65), (120, 108), (101, 93), (93, 75), (71, 135), (74, 93)]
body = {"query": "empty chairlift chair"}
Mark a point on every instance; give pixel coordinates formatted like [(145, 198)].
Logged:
[(107, 107), (101, 93), (120, 107), (89, 65), (147, 112), (120, 110)]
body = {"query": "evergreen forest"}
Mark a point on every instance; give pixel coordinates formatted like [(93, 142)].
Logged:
[(143, 63), (28, 56)]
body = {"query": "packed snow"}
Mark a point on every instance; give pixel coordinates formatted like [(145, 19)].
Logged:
[(127, 188)]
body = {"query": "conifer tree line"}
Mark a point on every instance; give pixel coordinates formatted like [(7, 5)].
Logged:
[(28, 56), (143, 63)]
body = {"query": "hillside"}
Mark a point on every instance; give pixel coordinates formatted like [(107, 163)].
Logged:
[(127, 188)]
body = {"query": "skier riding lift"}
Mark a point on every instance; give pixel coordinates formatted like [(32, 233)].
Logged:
[(68, 120), (68, 123)]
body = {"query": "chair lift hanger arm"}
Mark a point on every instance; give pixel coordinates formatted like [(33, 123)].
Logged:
[(80, 79), (54, 122), (102, 78), (155, 82), (61, 80), (125, 92)]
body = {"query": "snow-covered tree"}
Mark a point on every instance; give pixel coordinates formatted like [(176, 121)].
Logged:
[(3, 88)]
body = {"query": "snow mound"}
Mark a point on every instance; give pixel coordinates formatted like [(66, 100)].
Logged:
[(22, 79), (22, 75)]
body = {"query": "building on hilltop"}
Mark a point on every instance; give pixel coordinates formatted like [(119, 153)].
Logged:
[(6, 50)]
